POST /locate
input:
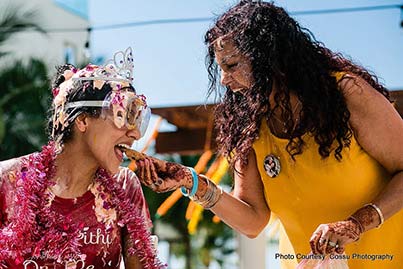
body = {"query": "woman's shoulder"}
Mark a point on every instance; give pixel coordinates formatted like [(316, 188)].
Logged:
[(127, 178), (344, 77), (352, 84), (9, 169), (132, 186), (11, 164)]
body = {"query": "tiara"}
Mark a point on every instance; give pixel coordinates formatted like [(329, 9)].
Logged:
[(119, 69)]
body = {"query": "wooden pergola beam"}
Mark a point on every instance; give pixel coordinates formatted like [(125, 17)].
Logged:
[(187, 117), (184, 141), (192, 123)]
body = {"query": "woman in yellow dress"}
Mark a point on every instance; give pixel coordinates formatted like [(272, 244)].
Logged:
[(312, 137)]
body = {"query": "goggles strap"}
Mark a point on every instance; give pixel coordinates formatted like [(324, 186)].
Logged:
[(84, 104)]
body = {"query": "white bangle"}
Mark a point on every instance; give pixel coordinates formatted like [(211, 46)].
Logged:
[(211, 196), (378, 210)]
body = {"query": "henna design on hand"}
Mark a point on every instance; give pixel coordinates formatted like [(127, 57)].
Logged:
[(367, 217), (160, 175), (176, 172), (347, 229), (339, 233)]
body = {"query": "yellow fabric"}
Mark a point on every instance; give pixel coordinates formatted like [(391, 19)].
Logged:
[(310, 191), (338, 75)]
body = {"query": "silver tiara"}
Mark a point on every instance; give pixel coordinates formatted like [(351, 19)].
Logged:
[(120, 69)]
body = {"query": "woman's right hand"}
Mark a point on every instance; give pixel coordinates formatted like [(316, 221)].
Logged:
[(163, 176)]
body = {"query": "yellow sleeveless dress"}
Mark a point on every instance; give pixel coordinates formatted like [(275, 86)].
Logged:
[(311, 191)]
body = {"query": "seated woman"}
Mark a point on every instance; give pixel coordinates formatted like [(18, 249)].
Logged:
[(71, 205)]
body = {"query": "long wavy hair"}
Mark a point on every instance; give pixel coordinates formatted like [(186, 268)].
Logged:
[(284, 53)]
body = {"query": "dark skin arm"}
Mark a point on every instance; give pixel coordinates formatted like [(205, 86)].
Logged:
[(130, 261), (378, 128), (245, 210)]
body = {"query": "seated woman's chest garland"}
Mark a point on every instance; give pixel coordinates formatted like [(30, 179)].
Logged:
[(53, 232)]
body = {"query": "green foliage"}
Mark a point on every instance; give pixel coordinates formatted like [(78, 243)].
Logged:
[(24, 95), (13, 21), (23, 91)]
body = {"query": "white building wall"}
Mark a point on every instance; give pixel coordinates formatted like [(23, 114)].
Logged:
[(48, 47), (252, 252)]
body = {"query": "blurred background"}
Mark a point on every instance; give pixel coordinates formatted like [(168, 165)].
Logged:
[(167, 40)]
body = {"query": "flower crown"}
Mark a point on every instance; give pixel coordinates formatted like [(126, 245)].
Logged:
[(117, 72)]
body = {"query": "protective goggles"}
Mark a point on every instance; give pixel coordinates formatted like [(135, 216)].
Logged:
[(124, 108)]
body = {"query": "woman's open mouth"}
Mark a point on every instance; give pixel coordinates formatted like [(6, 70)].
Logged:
[(119, 151)]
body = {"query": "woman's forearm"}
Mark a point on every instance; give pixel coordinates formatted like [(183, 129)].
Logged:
[(384, 206), (390, 200), (241, 216), (248, 216)]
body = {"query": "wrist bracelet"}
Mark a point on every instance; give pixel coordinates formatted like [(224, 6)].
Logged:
[(211, 196), (215, 198), (186, 192), (356, 221), (378, 210)]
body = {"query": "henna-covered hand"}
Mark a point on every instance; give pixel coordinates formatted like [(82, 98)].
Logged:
[(332, 237), (159, 175)]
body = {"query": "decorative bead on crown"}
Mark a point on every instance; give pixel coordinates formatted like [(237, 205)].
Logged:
[(119, 69)]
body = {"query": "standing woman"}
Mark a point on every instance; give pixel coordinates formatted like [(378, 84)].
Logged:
[(312, 137), (71, 205)]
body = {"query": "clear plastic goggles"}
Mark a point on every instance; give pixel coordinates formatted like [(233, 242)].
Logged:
[(128, 110), (123, 107)]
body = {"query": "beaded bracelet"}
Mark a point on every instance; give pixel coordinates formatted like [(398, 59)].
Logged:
[(195, 186)]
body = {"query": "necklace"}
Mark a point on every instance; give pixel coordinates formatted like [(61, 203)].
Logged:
[(281, 121), (45, 234), (271, 163)]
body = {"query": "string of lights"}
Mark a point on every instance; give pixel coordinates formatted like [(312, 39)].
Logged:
[(203, 19)]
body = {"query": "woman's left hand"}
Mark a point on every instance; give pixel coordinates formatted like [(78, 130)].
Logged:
[(331, 238)]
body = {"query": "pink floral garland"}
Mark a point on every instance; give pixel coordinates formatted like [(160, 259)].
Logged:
[(134, 222), (42, 229)]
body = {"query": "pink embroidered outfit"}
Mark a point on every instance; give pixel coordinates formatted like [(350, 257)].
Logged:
[(40, 230), (96, 217)]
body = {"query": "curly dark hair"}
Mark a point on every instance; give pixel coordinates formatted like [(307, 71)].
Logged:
[(280, 51), (78, 94)]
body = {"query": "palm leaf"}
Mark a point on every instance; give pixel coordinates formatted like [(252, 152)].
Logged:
[(2, 125), (13, 21), (24, 91)]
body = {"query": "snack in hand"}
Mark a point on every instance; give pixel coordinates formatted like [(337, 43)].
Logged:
[(164, 169), (131, 153), (134, 155)]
